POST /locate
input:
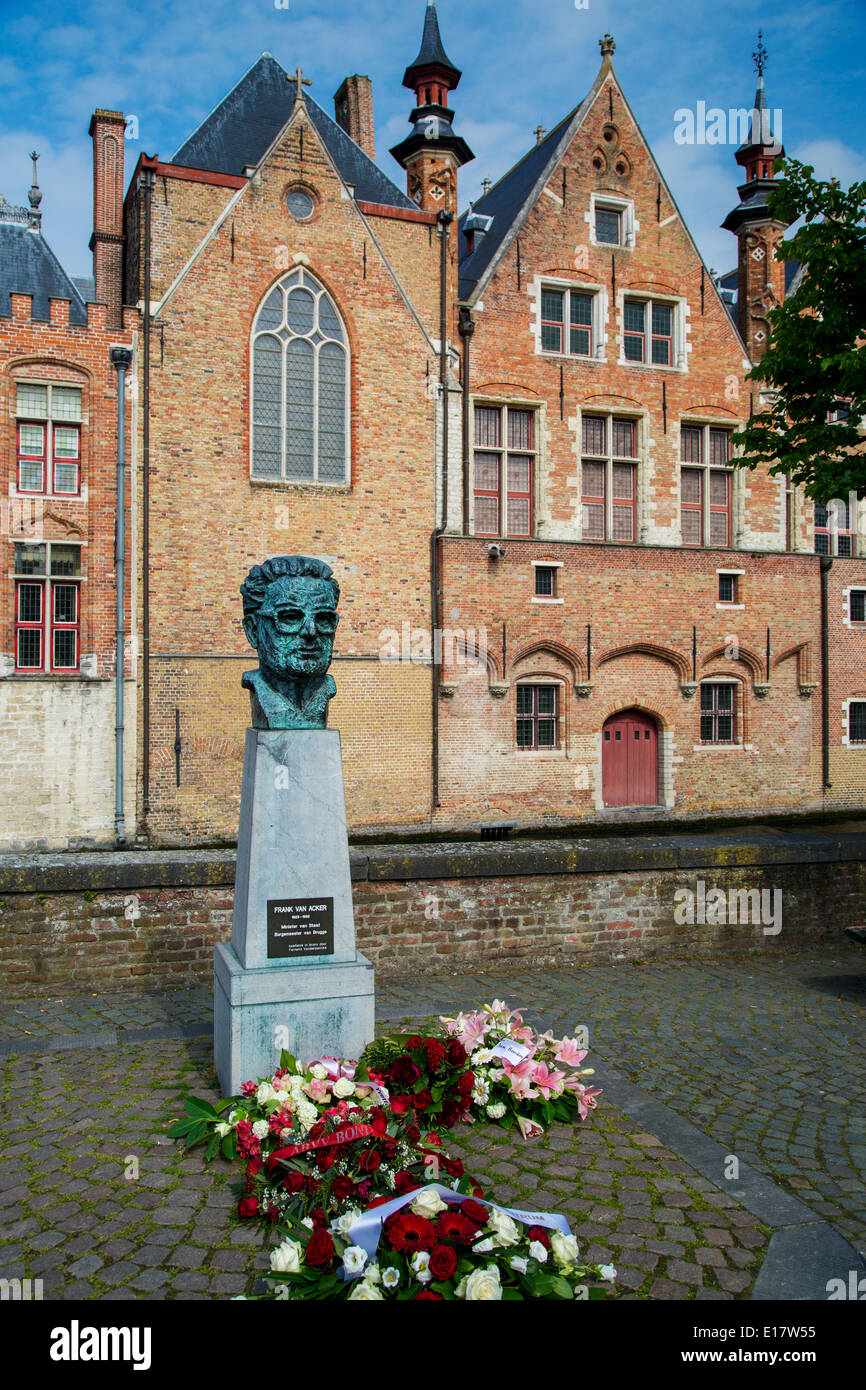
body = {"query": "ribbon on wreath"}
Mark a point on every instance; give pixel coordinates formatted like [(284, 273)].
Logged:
[(340, 1136), (367, 1230)]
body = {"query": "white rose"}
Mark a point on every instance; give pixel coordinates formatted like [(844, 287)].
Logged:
[(222, 1130), (427, 1203), (565, 1249), (483, 1284), (607, 1271), (503, 1228), (365, 1292), (344, 1223), (538, 1252), (421, 1266), (390, 1277), (265, 1093), (354, 1259), (261, 1129), (496, 1111), (518, 1263), (344, 1087), (484, 1246), (319, 1072), (286, 1258), (373, 1276), (306, 1113), (234, 1116)]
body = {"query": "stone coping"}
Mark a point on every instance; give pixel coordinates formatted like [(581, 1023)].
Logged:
[(758, 845)]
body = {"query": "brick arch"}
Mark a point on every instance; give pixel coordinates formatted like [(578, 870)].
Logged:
[(749, 659), (803, 653), (665, 654), (603, 400), (470, 651), (572, 660), (707, 409), (20, 363), (502, 388), (200, 743), (619, 706)]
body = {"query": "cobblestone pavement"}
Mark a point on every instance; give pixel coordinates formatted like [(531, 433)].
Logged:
[(765, 1055)]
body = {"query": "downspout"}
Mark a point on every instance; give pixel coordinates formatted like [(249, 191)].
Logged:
[(120, 359), (467, 328), (445, 219), (149, 180), (826, 566)]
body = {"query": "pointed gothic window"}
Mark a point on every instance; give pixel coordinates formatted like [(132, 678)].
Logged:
[(300, 386)]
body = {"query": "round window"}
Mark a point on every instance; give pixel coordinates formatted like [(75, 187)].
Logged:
[(300, 204)]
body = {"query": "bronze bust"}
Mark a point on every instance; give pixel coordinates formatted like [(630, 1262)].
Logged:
[(290, 617)]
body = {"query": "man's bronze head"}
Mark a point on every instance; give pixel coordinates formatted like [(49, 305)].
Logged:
[(290, 615)]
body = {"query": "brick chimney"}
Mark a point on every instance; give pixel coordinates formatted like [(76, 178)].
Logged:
[(353, 106), (106, 243)]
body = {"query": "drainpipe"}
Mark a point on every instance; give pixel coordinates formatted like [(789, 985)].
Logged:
[(120, 360), (445, 220), (467, 328), (826, 566), (149, 181)]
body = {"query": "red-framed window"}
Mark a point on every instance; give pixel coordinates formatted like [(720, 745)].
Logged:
[(648, 321), (705, 486), (833, 531), (537, 717), (48, 435), (504, 470), (47, 608), (609, 479), (718, 712), (567, 312)]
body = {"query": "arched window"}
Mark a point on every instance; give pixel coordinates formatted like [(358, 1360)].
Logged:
[(300, 385)]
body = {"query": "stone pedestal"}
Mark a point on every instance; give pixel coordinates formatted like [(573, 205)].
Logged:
[(292, 977)]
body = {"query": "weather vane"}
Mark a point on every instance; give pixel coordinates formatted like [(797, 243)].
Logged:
[(760, 56)]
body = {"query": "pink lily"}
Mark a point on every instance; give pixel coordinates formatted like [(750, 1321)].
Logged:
[(569, 1052), (528, 1128), (585, 1096), (521, 1078), (548, 1081)]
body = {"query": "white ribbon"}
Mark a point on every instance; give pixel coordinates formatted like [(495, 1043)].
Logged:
[(367, 1229)]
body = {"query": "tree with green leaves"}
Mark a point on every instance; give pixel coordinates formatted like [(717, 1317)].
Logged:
[(816, 355)]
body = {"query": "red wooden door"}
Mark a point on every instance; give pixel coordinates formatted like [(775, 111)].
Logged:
[(630, 760)]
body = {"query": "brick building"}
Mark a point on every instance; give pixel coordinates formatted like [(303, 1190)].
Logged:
[(512, 429)]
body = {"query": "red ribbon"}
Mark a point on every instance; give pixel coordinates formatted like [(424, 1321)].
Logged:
[(340, 1136)]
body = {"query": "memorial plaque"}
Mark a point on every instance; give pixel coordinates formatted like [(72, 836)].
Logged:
[(300, 927)]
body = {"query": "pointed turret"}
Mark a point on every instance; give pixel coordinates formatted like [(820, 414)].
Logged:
[(761, 277), (432, 153)]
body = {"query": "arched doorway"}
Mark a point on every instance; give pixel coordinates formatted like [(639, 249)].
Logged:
[(630, 759)]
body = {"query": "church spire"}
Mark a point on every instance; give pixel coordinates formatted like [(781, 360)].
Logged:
[(432, 153)]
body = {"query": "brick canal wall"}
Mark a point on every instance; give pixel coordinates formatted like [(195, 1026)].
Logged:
[(133, 920)]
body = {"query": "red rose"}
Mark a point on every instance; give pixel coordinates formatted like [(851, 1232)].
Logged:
[(377, 1202), (311, 1186), (456, 1053), (477, 1191), (415, 1042), (248, 1206), (318, 1218), (427, 1294), (452, 1113), (422, 1100), (432, 1138), (341, 1187), (324, 1161), (443, 1261), (539, 1233), (454, 1226), (320, 1249), (474, 1211), (408, 1232), (404, 1073), (400, 1104), (413, 1134), (369, 1161), (403, 1183), (316, 1131), (453, 1167), (466, 1082), (293, 1182), (378, 1121)]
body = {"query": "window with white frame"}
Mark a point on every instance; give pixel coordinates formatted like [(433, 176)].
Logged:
[(611, 220), (857, 721), (48, 438), (719, 712), (570, 323), (504, 470), (706, 480), (857, 606), (834, 534), (47, 608), (609, 463), (651, 332), (300, 386)]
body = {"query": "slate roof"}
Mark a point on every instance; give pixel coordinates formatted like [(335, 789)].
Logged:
[(29, 266), (239, 131), (507, 199), (431, 51)]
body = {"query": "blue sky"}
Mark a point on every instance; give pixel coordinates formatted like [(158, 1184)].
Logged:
[(524, 62)]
